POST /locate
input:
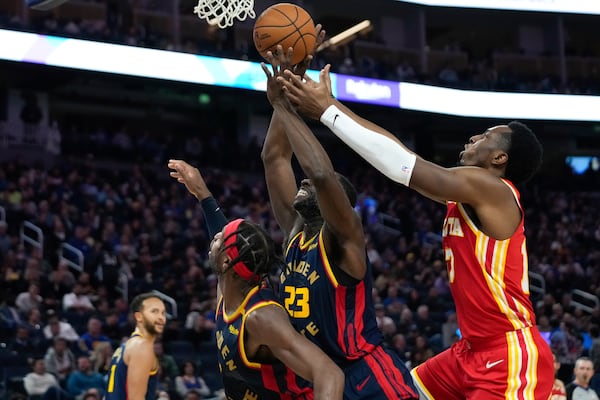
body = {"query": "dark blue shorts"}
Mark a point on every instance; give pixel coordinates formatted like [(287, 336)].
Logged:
[(379, 375)]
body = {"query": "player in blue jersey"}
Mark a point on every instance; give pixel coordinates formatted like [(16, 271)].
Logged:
[(327, 281), (258, 350), (134, 367)]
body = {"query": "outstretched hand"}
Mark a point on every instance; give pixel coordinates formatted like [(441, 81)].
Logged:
[(190, 177), (310, 98), (280, 61), (301, 68)]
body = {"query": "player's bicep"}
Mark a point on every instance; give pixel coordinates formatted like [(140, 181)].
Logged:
[(471, 185), (270, 326)]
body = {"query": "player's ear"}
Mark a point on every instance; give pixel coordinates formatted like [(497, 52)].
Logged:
[(138, 316), (499, 158)]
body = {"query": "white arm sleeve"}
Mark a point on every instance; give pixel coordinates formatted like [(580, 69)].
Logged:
[(380, 151)]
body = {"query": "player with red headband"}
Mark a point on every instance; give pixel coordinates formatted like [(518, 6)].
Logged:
[(259, 352)]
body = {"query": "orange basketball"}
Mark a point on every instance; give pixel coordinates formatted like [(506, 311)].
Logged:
[(288, 25)]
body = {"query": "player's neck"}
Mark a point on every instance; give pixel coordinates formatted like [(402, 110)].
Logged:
[(234, 292), (312, 227), (144, 333)]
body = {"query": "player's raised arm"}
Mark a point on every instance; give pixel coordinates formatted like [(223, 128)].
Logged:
[(342, 225), (281, 183), (194, 182), (385, 152), (277, 153), (270, 326)]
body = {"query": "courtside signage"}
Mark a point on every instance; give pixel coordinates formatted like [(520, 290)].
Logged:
[(558, 6), (374, 91), (183, 67)]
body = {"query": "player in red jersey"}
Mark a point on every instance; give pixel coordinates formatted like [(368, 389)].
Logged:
[(501, 354)]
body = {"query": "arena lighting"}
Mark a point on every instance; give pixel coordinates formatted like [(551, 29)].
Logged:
[(556, 6), (347, 35), (191, 68)]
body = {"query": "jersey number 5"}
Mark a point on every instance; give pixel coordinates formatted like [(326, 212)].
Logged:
[(449, 255), (296, 301)]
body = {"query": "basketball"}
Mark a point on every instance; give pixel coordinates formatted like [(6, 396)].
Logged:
[(288, 25)]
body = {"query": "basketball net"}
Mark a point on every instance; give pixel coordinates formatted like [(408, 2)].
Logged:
[(223, 12)]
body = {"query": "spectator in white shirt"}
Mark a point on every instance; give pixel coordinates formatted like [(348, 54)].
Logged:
[(56, 328), (43, 385), (26, 301), (77, 300)]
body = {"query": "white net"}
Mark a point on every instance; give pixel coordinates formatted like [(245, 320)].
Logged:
[(224, 12)]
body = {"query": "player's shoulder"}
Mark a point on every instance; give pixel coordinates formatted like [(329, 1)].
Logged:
[(138, 345)]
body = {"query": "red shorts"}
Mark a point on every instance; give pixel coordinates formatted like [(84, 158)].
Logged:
[(516, 366)]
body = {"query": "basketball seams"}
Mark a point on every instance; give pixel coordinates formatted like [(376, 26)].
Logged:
[(292, 32), (296, 30), (287, 16)]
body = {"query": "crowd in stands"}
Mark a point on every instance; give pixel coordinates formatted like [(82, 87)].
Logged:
[(139, 231), (120, 27)]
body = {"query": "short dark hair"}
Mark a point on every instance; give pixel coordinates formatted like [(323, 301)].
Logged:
[(137, 302), (524, 153), (255, 248), (348, 188)]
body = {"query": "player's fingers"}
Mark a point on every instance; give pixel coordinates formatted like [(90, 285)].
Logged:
[(266, 70), (271, 60), (326, 78), (292, 98), (289, 56), (286, 85), (320, 35), (295, 79)]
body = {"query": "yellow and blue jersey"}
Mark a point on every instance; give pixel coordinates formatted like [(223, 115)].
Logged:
[(337, 317), (244, 378), (116, 387)]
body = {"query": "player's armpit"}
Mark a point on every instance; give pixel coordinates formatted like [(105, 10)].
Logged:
[(270, 326)]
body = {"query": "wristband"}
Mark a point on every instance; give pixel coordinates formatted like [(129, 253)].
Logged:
[(215, 219)]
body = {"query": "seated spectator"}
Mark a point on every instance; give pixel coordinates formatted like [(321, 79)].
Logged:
[(198, 325), (22, 344), (26, 301), (91, 394), (77, 300), (9, 315), (190, 381), (42, 385), (84, 378), (35, 327), (59, 283), (112, 329), (93, 337), (192, 395), (101, 357), (59, 360), (168, 366), (56, 328), (385, 324)]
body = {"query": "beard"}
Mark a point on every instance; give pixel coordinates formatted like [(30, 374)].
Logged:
[(308, 208), (150, 328)]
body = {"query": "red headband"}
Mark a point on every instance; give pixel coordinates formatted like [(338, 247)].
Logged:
[(231, 250)]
